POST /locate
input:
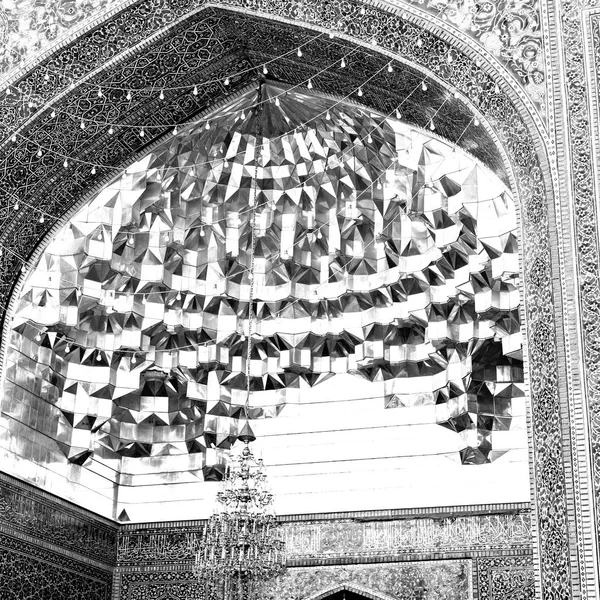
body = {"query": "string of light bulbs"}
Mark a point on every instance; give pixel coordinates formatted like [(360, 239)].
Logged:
[(341, 210), (194, 346), (198, 122), (45, 215)]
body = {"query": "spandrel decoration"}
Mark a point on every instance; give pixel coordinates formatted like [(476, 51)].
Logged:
[(381, 251)]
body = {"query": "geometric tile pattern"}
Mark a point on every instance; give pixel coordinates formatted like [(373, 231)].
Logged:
[(380, 252)]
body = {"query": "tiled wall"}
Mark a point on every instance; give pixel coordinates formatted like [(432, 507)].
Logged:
[(50, 549), (462, 553)]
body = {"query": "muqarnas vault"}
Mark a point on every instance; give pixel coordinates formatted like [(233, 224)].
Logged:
[(380, 251)]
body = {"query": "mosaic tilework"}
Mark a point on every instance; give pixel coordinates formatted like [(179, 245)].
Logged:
[(30, 573), (380, 252), (436, 580), (509, 30), (27, 512)]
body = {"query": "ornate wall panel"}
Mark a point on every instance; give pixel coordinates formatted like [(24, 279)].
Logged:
[(437, 580), (505, 578), (29, 572), (510, 30), (485, 556), (26, 511), (50, 550)]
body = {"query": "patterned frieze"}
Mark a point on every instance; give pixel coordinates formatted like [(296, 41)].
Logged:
[(330, 540), (23, 511)]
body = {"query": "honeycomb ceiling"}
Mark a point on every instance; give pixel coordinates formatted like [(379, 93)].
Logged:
[(379, 251)]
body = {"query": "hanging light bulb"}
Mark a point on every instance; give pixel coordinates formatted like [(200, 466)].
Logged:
[(390, 68), (360, 92), (93, 171), (299, 53), (309, 85), (243, 115), (202, 232), (142, 132), (369, 139), (195, 90), (476, 122), (41, 219), (456, 94), (265, 70), (342, 63), (82, 124), (53, 113), (207, 126), (66, 163), (39, 152), (128, 95), (16, 205), (277, 102), (100, 93), (13, 138), (175, 130), (111, 130), (226, 82), (423, 86), (328, 116), (432, 125), (161, 96), (398, 115)]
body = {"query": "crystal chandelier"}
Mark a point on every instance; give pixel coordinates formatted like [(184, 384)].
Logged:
[(241, 546)]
